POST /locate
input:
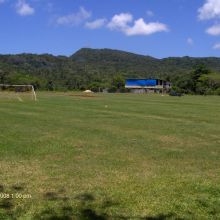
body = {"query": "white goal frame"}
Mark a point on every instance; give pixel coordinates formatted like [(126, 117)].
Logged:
[(34, 96)]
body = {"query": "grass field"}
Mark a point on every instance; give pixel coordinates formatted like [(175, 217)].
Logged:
[(110, 156)]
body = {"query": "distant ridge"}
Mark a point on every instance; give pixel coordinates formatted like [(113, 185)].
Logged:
[(95, 65), (107, 53), (142, 63)]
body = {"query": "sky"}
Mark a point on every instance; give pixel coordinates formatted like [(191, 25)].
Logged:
[(158, 28)]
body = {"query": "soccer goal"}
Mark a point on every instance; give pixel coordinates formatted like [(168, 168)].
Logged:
[(19, 92)]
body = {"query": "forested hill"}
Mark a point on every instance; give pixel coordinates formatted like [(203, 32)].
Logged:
[(140, 64), (89, 66)]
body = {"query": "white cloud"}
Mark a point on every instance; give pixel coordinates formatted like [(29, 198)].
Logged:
[(23, 8), (150, 13), (214, 30), (216, 46), (123, 22), (142, 28), (190, 41), (120, 22), (74, 18), (210, 10), (96, 24)]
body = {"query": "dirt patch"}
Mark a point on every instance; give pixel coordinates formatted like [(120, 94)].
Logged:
[(168, 139), (84, 96)]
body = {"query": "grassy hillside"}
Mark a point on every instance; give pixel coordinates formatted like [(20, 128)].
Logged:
[(88, 66), (122, 156)]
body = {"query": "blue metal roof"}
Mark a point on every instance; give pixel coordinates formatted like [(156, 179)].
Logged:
[(141, 82)]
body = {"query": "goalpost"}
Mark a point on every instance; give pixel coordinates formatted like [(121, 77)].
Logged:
[(19, 88)]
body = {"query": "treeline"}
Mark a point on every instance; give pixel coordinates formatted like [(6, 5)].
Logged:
[(99, 69), (200, 81)]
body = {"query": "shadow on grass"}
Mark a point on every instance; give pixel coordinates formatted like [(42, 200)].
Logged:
[(1, 188), (18, 188), (8, 208), (58, 207), (6, 204), (85, 197), (50, 214), (163, 217), (51, 196), (66, 212), (86, 211)]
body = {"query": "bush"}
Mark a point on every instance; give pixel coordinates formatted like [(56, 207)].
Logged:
[(174, 93), (123, 90), (176, 89), (95, 87), (113, 89), (217, 91)]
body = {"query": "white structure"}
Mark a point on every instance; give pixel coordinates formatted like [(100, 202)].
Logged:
[(34, 97), (88, 91)]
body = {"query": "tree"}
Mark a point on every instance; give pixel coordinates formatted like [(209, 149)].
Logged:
[(95, 87), (2, 77), (118, 82), (196, 74), (50, 85)]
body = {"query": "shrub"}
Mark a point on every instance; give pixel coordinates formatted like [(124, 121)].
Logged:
[(217, 91)]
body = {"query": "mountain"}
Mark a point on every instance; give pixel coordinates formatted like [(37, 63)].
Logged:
[(87, 66), (144, 65), (106, 55)]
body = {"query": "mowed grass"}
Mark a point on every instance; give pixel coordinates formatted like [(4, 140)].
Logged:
[(110, 156)]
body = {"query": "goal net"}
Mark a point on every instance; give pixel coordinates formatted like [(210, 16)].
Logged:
[(19, 92)]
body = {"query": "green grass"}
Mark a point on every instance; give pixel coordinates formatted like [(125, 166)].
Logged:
[(110, 156)]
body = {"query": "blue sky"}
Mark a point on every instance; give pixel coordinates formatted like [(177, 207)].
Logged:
[(159, 28)]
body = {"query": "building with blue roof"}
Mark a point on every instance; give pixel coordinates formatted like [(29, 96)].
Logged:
[(147, 85)]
